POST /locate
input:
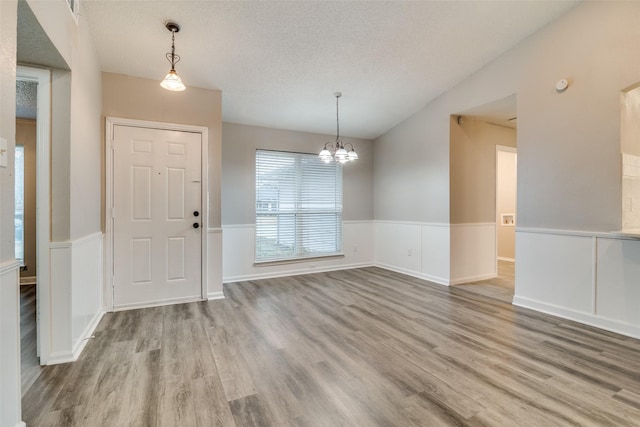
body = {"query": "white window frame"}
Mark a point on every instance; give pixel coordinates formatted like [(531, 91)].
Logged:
[(299, 214)]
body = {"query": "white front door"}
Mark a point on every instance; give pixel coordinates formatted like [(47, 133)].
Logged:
[(157, 238)]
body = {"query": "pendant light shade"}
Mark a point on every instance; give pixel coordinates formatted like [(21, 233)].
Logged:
[(336, 151), (172, 80)]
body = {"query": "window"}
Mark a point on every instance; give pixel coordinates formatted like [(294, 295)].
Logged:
[(298, 206), (19, 212)]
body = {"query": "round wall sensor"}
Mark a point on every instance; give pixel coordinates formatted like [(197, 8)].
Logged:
[(562, 85)]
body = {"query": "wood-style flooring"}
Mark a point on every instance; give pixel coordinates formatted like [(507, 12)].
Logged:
[(500, 287), (364, 347), (30, 364)]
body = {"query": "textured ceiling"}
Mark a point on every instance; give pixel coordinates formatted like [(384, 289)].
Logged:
[(26, 100), (279, 63), (34, 47)]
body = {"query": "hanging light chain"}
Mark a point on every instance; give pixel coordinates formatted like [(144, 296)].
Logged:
[(337, 117), (172, 57)]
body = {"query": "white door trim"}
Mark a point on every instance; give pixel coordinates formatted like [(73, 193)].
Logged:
[(503, 149), (43, 160), (111, 122)]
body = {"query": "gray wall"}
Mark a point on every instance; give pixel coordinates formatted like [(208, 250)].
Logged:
[(239, 144), (568, 143)]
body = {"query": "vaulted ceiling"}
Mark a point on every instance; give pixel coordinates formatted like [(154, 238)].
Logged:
[(278, 63)]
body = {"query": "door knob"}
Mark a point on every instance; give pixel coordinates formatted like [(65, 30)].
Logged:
[(196, 213), (196, 225)]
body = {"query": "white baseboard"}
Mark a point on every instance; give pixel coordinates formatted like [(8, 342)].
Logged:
[(473, 279), (215, 295), (88, 333), (28, 280), (580, 317), (158, 303), (501, 258), (67, 357), (296, 272), (434, 279)]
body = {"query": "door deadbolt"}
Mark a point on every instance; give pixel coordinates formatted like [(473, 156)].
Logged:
[(196, 213), (196, 225)]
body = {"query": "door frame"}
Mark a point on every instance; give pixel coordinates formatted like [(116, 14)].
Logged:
[(111, 122), (503, 149), (42, 77)]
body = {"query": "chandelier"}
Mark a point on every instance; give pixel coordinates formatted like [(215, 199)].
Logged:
[(335, 150)]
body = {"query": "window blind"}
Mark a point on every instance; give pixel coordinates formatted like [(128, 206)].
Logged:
[(298, 206)]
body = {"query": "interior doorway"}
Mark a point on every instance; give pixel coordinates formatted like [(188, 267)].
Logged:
[(506, 213), (483, 172), (33, 104)]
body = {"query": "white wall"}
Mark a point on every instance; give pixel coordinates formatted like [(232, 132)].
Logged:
[(239, 253), (587, 277), (413, 248)]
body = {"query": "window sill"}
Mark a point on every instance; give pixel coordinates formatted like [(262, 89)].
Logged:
[(297, 260)]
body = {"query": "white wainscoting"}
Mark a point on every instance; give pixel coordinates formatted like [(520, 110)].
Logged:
[(414, 248), (214, 263), (473, 252), (76, 295), (10, 404), (239, 254), (592, 278)]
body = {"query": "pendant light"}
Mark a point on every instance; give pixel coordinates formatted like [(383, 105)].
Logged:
[(336, 151), (172, 80)]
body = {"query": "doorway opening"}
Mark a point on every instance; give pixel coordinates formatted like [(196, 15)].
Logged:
[(483, 143), (32, 216)]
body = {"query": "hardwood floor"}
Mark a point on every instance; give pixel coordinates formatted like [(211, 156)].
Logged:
[(29, 362), (363, 347), (500, 287)]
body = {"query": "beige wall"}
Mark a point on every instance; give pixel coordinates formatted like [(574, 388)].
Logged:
[(26, 136), (239, 162), (473, 169), (144, 99), (506, 197), (568, 143)]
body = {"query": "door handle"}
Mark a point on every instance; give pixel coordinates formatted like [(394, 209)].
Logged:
[(196, 213), (196, 225)]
